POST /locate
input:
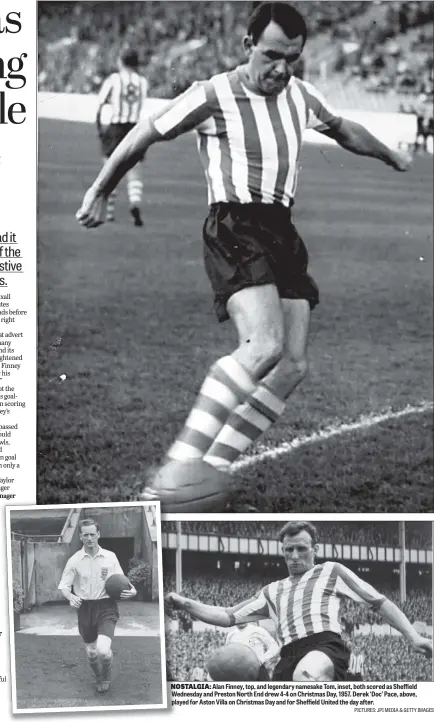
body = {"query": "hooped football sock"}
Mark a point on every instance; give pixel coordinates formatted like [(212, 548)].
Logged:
[(225, 388), (111, 202), (244, 426), (134, 192)]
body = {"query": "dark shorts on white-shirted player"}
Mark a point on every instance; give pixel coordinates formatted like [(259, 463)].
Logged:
[(112, 136), (252, 244), (97, 616)]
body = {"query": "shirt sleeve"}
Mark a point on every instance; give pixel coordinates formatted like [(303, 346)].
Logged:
[(254, 609), (68, 576), (321, 116), (145, 87), (184, 113), (105, 91), (350, 585)]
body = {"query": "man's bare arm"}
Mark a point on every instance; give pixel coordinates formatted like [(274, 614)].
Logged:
[(72, 598), (129, 151), (357, 139), (397, 619), (205, 612)]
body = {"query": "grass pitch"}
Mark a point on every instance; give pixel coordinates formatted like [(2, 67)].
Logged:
[(127, 315), (53, 672)]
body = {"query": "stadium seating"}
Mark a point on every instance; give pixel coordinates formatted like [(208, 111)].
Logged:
[(387, 658), (371, 49), (367, 533)]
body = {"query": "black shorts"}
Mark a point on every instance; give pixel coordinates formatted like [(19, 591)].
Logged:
[(328, 642), (263, 675), (97, 617), (251, 244), (112, 136), (354, 677)]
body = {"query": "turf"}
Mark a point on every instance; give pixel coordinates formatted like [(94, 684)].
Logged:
[(127, 315), (53, 672)]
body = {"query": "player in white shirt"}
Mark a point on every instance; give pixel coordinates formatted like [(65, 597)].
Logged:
[(125, 92), (260, 641), (305, 609), (83, 585)]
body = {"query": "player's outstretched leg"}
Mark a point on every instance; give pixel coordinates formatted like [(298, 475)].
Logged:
[(94, 663), (267, 402), (316, 666), (185, 482)]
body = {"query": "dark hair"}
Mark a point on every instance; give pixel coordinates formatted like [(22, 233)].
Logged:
[(88, 521), (130, 58), (284, 14), (292, 528)]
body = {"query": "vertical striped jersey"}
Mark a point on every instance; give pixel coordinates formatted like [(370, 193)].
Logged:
[(257, 639), (249, 144), (125, 91), (309, 604)]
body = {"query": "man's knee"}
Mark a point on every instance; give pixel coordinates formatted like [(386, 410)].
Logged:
[(264, 351), (92, 652), (104, 647), (290, 371), (314, 667)]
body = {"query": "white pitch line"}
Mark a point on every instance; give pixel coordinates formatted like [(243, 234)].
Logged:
[(364, 422)]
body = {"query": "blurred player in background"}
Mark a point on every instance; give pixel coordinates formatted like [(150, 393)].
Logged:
[(305, 609), (425, 125), (250, 123), (356, 663), (257, 638), (199, 674), (125, 92), (83, 585)]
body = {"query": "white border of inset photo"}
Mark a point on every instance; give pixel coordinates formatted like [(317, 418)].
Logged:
[(240, 545), (161, 633)]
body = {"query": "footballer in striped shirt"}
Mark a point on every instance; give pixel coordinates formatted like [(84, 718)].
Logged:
[(125, 92), (305, 610), (249, 125)]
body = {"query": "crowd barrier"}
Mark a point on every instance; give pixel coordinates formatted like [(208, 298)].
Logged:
[(393, 129)]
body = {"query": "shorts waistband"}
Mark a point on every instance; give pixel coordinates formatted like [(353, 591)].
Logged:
[(255, 207), (308, 640)]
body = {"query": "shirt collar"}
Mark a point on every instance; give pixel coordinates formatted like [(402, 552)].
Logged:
[(101, 553)]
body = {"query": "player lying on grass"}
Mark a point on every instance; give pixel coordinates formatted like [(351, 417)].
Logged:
[(83, 585), (305, 610), (250, 123)]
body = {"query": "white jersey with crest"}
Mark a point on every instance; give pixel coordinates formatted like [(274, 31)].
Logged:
[(126, 92), (257, 639)]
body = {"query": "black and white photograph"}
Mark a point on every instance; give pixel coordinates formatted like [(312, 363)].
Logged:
[(235, 255), (86, 609), (298, 601)]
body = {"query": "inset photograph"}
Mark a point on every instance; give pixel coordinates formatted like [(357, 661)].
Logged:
[(86, 609), (294, 601)]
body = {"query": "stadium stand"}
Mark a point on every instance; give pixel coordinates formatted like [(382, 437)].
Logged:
[(373, 56), (418, 536), (386, 657)]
